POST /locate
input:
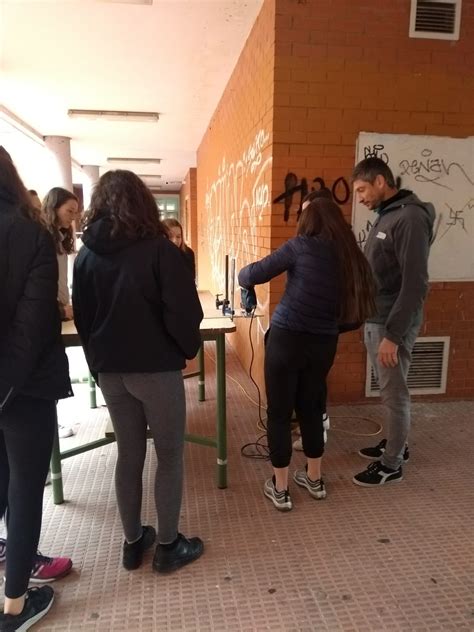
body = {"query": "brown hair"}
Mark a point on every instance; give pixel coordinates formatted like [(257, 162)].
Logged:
[(323, 218), (171, 222), (63, 238), (124, 198), (13, 188), (369, 168)]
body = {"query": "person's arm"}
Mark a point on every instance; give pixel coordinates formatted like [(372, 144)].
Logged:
[(82, 311), (269, 267), (182, 312), (412, 245), (35, 316), (191, 259)]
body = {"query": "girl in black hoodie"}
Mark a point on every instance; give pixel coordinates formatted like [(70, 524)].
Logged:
[(33, 374), (137, 312)]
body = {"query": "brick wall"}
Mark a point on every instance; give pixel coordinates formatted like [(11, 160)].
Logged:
[(313, 75), (188, 206), (234, 177), (342, 67)]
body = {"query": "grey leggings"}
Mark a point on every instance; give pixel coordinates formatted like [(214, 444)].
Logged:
[(135, 401)]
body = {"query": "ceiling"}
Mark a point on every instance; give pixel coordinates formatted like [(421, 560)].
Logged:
[(168, 56)]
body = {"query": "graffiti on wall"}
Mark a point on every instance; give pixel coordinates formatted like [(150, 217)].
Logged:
[(339, 190), (235, 204), (439, 170)]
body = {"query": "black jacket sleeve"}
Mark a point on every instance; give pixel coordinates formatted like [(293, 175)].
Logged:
[(35, 316), (191, 259), (182, 312), (83, 312), (269, 267)]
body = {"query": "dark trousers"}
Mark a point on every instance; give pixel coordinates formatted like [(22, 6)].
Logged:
[(26, 442), (296, 367)]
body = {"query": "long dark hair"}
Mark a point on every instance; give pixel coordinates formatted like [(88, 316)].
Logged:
[(171, 222), (323, 218), (124, 198), (63, 237), (13, 188)]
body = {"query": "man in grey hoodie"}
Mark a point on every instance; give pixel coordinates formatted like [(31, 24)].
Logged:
[(397, 249)]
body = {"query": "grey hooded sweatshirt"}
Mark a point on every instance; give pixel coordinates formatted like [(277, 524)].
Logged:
[(397, 249)]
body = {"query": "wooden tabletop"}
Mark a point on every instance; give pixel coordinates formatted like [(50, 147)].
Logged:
[(208, 326)]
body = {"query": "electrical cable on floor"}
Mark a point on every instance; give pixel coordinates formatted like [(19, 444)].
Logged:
[(259, 449)]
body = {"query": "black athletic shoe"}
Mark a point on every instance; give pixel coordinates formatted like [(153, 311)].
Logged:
[(133, 553), (376, 474), (38, 602), (375, 453), (170, 557)]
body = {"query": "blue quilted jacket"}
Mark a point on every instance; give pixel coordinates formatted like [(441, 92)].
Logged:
[(311, 301)]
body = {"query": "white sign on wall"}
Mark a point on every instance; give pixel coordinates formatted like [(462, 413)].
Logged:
[(439, 170)]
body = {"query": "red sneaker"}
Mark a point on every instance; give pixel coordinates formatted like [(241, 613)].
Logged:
[(47, 569)]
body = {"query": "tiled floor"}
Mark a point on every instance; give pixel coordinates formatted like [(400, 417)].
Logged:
[(393, 559)]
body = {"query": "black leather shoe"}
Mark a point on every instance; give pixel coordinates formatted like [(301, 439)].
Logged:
[(133, 553), (182, 552)]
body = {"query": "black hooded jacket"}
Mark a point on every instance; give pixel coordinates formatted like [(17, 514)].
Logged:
[(136, 307), (32, 357)]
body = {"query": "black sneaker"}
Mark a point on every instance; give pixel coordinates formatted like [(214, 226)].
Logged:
[(375, 453), (38, 602), (133, 553), (376, 474), (170, 557)]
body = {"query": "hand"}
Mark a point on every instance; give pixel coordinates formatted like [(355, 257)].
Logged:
[(387, 354), (68, 313)]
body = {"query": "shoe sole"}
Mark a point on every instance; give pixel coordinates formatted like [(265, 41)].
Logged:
[(278, 505), (376, 458), (31, 622), (180, 564), (34, 580), (361, 484), (306, 486)]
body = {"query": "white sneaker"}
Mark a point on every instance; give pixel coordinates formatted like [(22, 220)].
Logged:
[(298, 443), (65, 431)]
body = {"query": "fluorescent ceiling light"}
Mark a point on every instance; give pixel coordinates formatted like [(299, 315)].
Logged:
[(115, 115), (14, 121), (148, 175), (137, 160)]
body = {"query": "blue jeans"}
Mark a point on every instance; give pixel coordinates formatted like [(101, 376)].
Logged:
[(393, 389)]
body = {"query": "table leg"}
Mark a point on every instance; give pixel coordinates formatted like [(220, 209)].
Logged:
[(56, 474), (202, 376), (221, 413), (92, 392)]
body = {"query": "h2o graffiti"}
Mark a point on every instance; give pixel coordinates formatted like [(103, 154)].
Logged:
[(340, 192)]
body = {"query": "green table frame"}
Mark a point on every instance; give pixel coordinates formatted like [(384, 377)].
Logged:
[(212, 329)]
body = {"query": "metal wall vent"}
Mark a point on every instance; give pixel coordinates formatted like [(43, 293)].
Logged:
[(435, 19), (428, 371)]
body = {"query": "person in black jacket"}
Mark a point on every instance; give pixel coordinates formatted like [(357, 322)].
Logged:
[(328, 283), (137, 313), (33, 375)]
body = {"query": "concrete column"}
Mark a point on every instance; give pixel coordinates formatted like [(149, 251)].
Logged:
[(60, 149), (92, 175)]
